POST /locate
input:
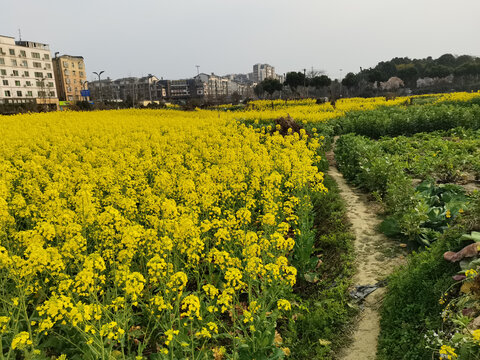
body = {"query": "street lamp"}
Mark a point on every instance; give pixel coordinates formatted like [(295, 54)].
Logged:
[(99, 82)]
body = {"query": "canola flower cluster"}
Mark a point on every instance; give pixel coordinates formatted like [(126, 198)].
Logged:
[(137, 232), (308, 111), (458, 96)]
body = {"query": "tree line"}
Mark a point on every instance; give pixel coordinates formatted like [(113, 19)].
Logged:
[(460, 73)]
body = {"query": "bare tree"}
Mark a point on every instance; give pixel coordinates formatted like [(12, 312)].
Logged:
[(314, 72)]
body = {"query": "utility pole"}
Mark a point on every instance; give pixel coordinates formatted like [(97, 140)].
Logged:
[(304, 79), (99, 82)]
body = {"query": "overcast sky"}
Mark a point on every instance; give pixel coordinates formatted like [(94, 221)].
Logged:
[(169, 37)]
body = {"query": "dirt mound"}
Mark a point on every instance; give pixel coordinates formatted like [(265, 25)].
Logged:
[(287, 123)]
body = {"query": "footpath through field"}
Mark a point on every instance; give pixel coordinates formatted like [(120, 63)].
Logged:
[(376, 257)]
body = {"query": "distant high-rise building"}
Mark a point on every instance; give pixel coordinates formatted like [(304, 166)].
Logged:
[(263, 71), (26, 73), (70, 77)]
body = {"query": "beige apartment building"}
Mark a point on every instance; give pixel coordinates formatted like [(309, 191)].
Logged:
[(26, 73), (70, 77), (262, 72)]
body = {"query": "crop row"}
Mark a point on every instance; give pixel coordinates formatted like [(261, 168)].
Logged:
[(157, 233), (409, 120)]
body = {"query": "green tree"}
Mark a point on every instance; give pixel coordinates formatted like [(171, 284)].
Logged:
[(320, 81), (407, 72), (438, 71), (295, 79), (446, 60), (258, 90), (375, 75), (350, 80), (271, 85), (468, 69)]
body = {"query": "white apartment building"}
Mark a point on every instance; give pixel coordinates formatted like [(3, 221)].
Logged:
[(263, 71), (26, 73), (216, 86)]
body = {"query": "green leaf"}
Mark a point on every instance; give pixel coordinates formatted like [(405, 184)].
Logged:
[(469, 264), (311, 277), (390, 227), (474, 236)]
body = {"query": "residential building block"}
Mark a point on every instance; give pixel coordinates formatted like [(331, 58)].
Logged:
[(70, 77), (26, 73)]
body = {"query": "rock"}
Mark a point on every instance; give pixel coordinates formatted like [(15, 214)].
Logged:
[(468, 251), (362, 291), (469, 312), (475, 324)]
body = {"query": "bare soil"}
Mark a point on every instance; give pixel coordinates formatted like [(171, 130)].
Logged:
[(376, 258)]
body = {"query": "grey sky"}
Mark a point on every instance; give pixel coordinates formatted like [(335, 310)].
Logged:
[(169, 37)]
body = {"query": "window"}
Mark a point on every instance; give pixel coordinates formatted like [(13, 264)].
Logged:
[(50, 84), (24, 63), (70, 97), (67, 81), (3, 72), (39, 74), (15, 73), (65, 64), (19, 93), (47, 66), (5, 82), (52, 93), (12, 51), (23, 53), (66, 72), (7, 93), (80, 65), (73, 64), (74, 81), (81, 73), (40, 84), (17, 83), (29, 93), (28, 83), (35, 55), (69, 89), (49, 75), (2, 61), (41, 93), (26, 73), (37, 64), (14, 62), (46, 57)]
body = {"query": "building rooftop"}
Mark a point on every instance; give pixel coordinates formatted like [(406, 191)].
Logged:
[(32, 44), (7, 40), (70, 56)]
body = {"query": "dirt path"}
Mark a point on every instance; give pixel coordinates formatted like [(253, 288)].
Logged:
[(376, 256)]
